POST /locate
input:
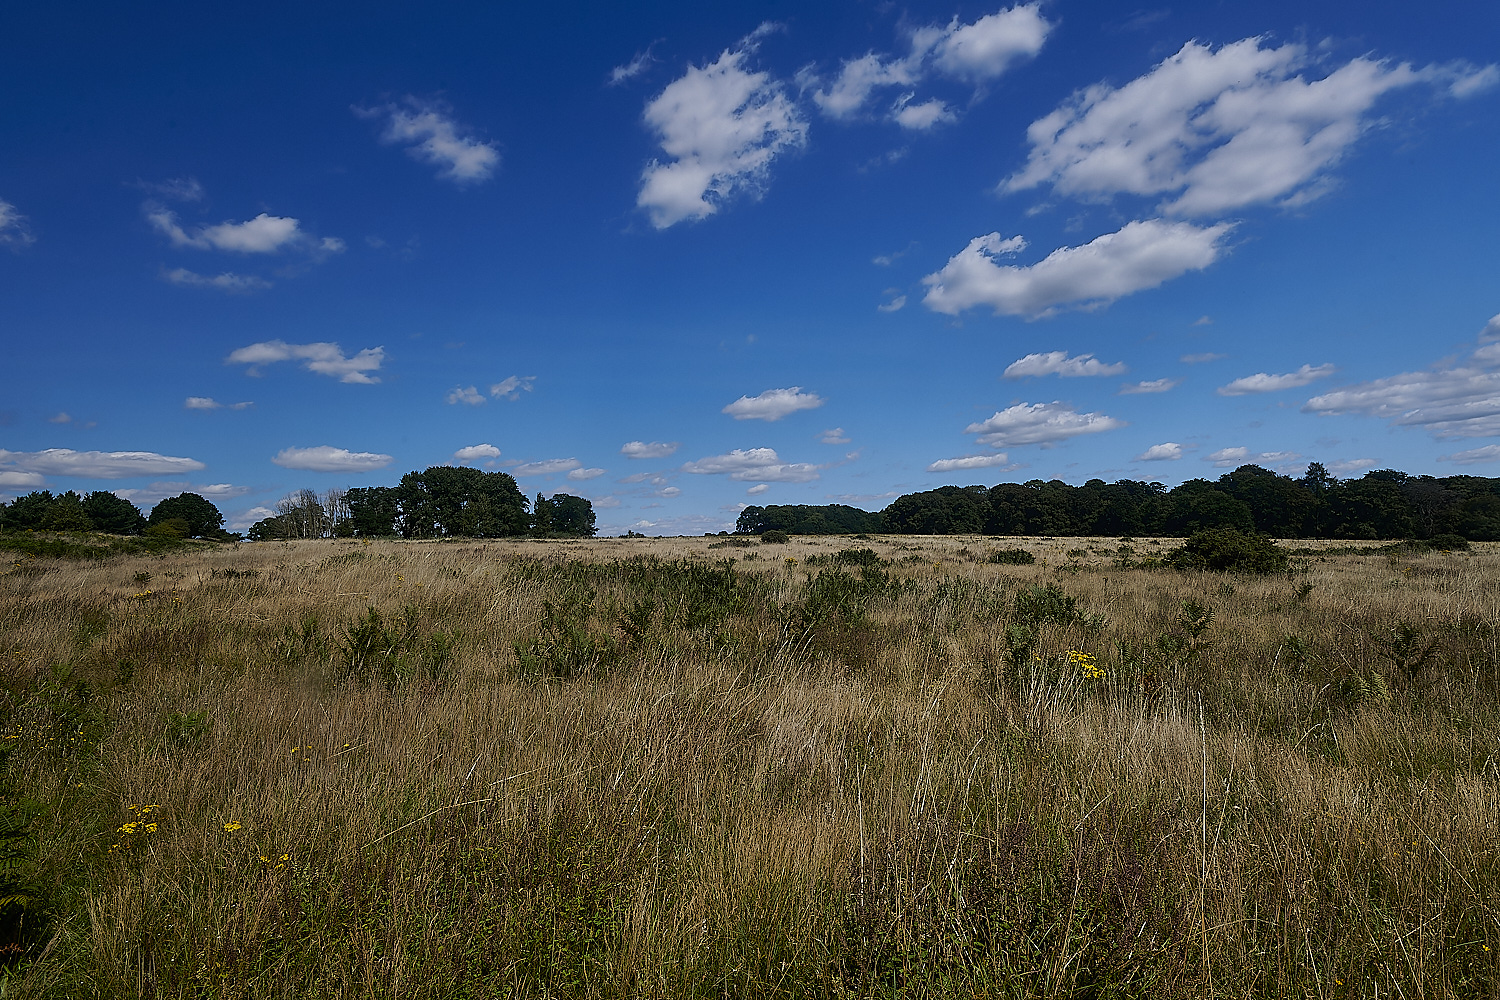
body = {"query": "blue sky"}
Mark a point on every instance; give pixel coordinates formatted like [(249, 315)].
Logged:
[(679, 258)]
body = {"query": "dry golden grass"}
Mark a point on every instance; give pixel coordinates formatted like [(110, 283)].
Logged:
[(625, 779)]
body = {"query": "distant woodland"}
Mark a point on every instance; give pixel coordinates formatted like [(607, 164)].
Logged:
[(1382, 504)]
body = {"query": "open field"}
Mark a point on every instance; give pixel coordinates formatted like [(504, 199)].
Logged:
[(695, 768)]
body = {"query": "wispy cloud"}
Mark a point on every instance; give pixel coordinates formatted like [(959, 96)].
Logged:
[(967, 462), (225, 281), (720, 126), (834, 435), (209, 403), (773, 404), (1473, 456), (631, 70), (1152, 385), (1139, 256), (15, 232), (752, 464), (546, 467), (433, 136), (1262, 382), (326, 458), (1201, 359), (322, 358), (583, 475), (511, 387), (1230, 458)]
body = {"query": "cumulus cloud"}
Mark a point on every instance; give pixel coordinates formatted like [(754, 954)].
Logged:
[(834, 435), (325, 458), (1169, 451), (1457, 401), (580, 475), (1262, 382), (209, 403), (720, 126), (476, 452), (1152, 385), (1039, 423), (1473, 456), (1141, 255), (757, 489), (322, 358), (977, 53), (749, 465), (433, 136), (95, 464), (12, 478), (1214, 130), (649, 449), (226, 281), (968, 462), (773, 404), (467, 395), (1059, 363), (1491, 330), (546, 467), (14, 230), (512, 387)]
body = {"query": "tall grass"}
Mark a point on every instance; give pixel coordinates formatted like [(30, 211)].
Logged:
[(643, 768)]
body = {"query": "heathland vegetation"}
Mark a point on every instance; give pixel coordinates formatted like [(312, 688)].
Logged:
[(893, 766)]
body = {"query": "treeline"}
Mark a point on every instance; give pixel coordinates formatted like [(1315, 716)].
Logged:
[(186, 515), (441, 502), (1380, 505)]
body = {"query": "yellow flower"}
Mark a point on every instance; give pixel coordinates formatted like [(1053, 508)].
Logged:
[(128, 828), (150, 827), (231, 826)]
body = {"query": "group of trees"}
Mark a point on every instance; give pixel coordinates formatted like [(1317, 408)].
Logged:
[(441, 502), (185, 515), (1382, 504)]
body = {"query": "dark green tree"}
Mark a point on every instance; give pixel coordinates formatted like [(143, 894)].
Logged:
[(112, 514), (448, 501), (27, 512), (373, 510), (66, 513), (202, 517), (564, 515)]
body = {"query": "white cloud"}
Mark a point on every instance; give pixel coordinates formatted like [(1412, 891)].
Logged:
[(1213, 130), (920, 117), (834, 435), (1345, 465), (175, 189), (649, 449), (325, 458), (1473, 456), (757, 489), (209, 403), (1152, 385), (668, 492), (991, 45), (632, 69), (1203, 321), (1470, 80), (322, 358), (1261, 382), (14, 231), (95, 464), (1491, 330), (1169, 451), (1058, 363), (721, 126), (227, 281), (431, 135), (773, 404), (1141, 255), (579, 475), (60, 418), (10, 478), (894, 305), (1039, 423), (468, 395), (1201, 359), (1453, 402), (512, 387), (246, 518), (546, 467), (1232, 458), (968, 462), (754, 464), (265, 233), (156, 492), (475, 452), (606, 502), (976, 52)]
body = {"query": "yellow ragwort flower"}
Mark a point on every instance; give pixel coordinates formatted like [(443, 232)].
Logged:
[(231, 826)]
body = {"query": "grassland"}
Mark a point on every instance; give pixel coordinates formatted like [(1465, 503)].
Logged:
[(687, 768)]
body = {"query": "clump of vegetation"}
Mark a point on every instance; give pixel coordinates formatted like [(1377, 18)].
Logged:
[(1012, 557), (774, 537), (1229, 550)]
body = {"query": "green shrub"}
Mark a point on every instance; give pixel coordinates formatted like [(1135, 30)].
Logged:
[(774, 537), (1012, 557), (1229, 550)]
